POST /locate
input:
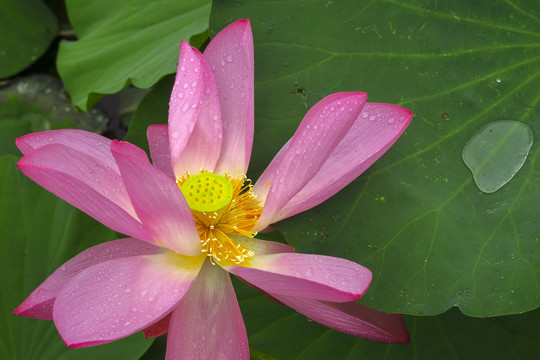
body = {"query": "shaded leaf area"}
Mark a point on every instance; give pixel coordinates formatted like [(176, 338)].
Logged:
[(153, 109), (39, 103), (27, 28), (125, 41), (416, 218), (39, 233), (284, 334)]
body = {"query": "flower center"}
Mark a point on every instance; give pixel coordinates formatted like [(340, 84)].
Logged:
[(207, 192), (221, 206)]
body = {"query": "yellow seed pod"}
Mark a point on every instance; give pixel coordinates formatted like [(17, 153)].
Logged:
[(206, 192)]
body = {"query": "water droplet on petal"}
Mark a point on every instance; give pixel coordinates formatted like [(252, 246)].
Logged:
[(182, 68), (391, 120), (497, 152), (185, 85), (229, 58), (185, 107)]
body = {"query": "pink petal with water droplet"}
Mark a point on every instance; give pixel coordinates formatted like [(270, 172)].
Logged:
[(310, 276), (40, 303), (158, 201), (204, 144), (230, 56), (207, 323), (86, 183), (319, 133), (373, 133), (352, 318), (85, 142), (119, 297), (184, 105)]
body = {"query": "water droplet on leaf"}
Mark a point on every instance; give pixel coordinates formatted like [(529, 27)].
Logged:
[(497, 152)]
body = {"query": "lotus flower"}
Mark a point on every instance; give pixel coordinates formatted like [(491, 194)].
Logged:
[(191, 217)]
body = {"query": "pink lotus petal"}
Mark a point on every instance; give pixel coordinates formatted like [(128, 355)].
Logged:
[(207, 323), (312, 276), (86, 183), (40, 303), (204, 145), (194, 115), (158, 141), (186, 98), (230, 56), (375, 130), (261, 247), (352, 318), (319, 133), (158, 201), (158, 328), (85, 142), (119, 297)]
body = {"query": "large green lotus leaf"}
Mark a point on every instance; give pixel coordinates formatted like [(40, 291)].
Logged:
[(416, 218), (27, 28), (278, 331), (39, 233), (125, 41)]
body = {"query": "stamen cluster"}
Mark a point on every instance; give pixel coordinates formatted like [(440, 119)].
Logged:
[(238, 217)]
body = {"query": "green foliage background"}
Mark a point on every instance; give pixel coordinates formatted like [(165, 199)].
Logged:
[(441, 251)]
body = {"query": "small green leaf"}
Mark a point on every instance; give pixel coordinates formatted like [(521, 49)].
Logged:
[(125, 41), (27, 28)]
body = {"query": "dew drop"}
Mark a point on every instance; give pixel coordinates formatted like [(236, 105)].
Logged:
[(372, 118), (193, 84), (229, 58), (185, 107), (497, 152), (185, 85), (391, 120), (182, 68), (180, 95)]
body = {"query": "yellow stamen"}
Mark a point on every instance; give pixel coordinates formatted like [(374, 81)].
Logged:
[(217, 220)]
